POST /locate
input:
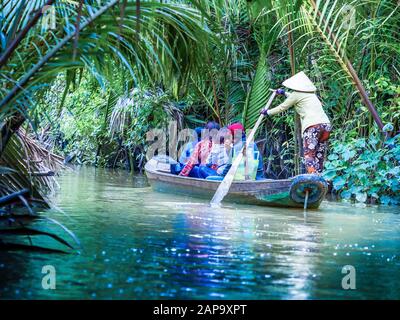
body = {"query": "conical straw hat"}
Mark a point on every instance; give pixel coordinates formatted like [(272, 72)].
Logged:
[(300, 82)]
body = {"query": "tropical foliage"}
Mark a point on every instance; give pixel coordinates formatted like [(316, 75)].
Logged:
[(135, 40), (89, 78), (366, 170)]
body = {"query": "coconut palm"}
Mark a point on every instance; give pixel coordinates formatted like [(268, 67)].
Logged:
[(42, 38), (337, 33), (100, 32)]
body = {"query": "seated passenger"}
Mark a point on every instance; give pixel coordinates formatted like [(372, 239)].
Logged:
[(218, 158), (200, 153), (189, 147), (239, 140)]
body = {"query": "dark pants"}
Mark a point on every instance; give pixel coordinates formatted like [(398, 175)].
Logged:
[(177, 168), (195, 172), (207, 171)]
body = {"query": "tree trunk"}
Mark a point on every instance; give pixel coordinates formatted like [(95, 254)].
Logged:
[(298, 146)]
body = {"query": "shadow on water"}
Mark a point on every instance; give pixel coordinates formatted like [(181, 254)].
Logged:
[(139, 244)]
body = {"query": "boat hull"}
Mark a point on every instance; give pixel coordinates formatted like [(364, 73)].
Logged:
[(266, 192)]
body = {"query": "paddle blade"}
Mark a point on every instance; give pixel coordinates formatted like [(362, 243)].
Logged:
[(225, 185)]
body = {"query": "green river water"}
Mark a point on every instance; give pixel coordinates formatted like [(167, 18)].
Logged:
[(139, 244)]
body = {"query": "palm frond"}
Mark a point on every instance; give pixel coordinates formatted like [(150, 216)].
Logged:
[(162, 25), (33, 167), (258, 95)]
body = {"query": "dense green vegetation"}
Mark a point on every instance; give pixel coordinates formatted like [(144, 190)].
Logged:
[(366, 169), (91, 93)]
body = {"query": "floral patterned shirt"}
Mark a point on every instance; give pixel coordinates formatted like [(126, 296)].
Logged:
[(199, 156)]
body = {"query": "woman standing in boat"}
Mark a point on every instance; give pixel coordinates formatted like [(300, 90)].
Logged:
[(315, 124)]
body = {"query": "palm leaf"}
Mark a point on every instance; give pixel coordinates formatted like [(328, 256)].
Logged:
[(6, 170), (26, 158), (324, 20), (100, 37), (258, 95)]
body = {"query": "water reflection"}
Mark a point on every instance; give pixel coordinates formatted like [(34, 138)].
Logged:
[(137, 244)]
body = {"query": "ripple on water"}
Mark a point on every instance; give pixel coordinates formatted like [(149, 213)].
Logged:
[(145, 245)]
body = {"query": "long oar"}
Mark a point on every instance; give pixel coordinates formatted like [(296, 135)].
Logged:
[(223, 188)]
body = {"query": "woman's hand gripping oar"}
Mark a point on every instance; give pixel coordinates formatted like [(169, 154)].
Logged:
[(225, 185)]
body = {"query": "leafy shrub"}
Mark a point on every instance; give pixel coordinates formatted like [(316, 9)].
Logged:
[(366, 170)]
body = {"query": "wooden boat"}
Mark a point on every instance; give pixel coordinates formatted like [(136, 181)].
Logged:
[(291, 192)]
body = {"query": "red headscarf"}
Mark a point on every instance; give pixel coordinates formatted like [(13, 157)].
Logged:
[(236, 126)]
